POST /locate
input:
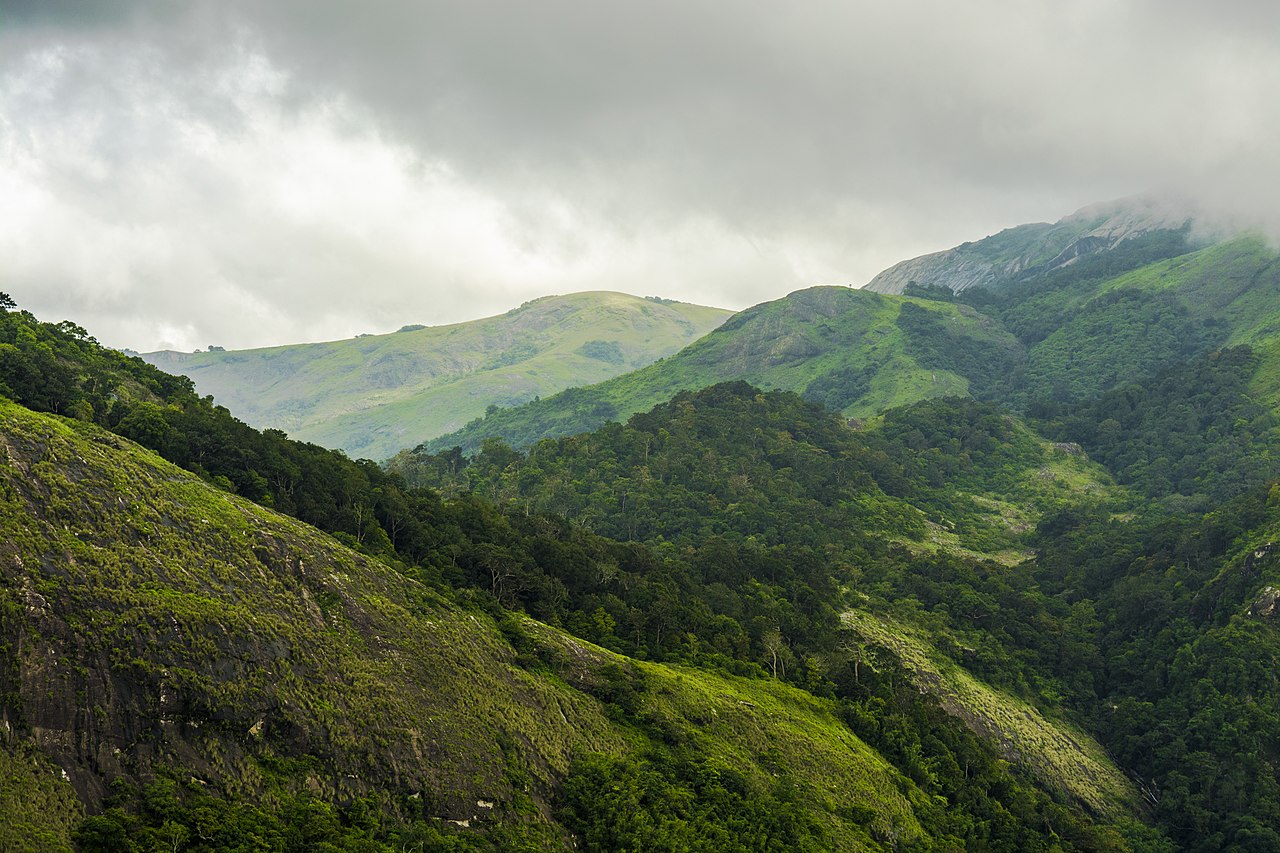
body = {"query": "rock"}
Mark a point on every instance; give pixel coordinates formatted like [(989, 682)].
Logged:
[(1089, 231), (1265, 606)]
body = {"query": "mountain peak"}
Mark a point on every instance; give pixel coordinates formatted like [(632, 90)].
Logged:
[(1043, 246)]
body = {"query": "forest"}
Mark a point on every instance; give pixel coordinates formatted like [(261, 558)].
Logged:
[(730, 530)]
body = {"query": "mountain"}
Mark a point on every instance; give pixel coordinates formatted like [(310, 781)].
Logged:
[(376, 394), (181, 668), (856, 352), (1072, 345), (158, 629), (1039, 247), (1155, 625), (1037, 617)]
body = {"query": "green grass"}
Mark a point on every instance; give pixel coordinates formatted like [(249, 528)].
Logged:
[(1060, 755), (40, 808), (376, 394)]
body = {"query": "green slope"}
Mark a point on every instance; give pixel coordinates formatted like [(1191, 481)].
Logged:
[(376, 394), (849, 349), (1059, 754), (156, 628), (772, 512)]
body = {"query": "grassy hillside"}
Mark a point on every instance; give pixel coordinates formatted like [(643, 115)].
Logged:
[(1061, 755), (157, 630), (376, 394), (852, 350)]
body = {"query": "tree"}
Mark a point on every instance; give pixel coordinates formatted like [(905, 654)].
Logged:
[(6, 302)]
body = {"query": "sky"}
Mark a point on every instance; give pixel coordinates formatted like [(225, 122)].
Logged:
[(244, 173)]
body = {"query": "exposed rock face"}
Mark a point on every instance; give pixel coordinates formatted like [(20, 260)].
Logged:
[(1088, 231), (953, 268), (1265, 606)]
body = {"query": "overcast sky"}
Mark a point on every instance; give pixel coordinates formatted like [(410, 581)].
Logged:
[(245, 173)]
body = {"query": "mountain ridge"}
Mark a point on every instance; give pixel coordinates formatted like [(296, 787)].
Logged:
[(849, 348), (375, 394), (1038, 247)]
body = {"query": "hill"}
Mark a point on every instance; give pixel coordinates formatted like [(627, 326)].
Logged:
[(1153, 628), (158, 629), (1075, 347), (375, 394), (854, 351), (195, 671)]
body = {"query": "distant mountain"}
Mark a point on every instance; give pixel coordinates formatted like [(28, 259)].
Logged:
[(376, 394), (851, 350), (1039, 247), (1060, 314)]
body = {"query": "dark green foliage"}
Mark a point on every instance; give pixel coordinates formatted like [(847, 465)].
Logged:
[(935, 344), (1193, 430), (164, 816), (937, 292), (606, 351), (679, 804), (1112, 339), (1185, 672), (842, 386)]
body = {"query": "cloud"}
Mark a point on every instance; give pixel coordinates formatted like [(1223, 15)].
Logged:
[(247, 173)]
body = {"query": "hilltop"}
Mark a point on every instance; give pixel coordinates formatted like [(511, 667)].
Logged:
[(1040, 247), (375, 394), (854, 351)]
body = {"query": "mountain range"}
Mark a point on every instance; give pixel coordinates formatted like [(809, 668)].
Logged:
[(988, 563), (375, 394), (1061, 312)]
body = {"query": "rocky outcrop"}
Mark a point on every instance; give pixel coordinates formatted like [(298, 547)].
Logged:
[(1265, 606), (1088, 231)]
